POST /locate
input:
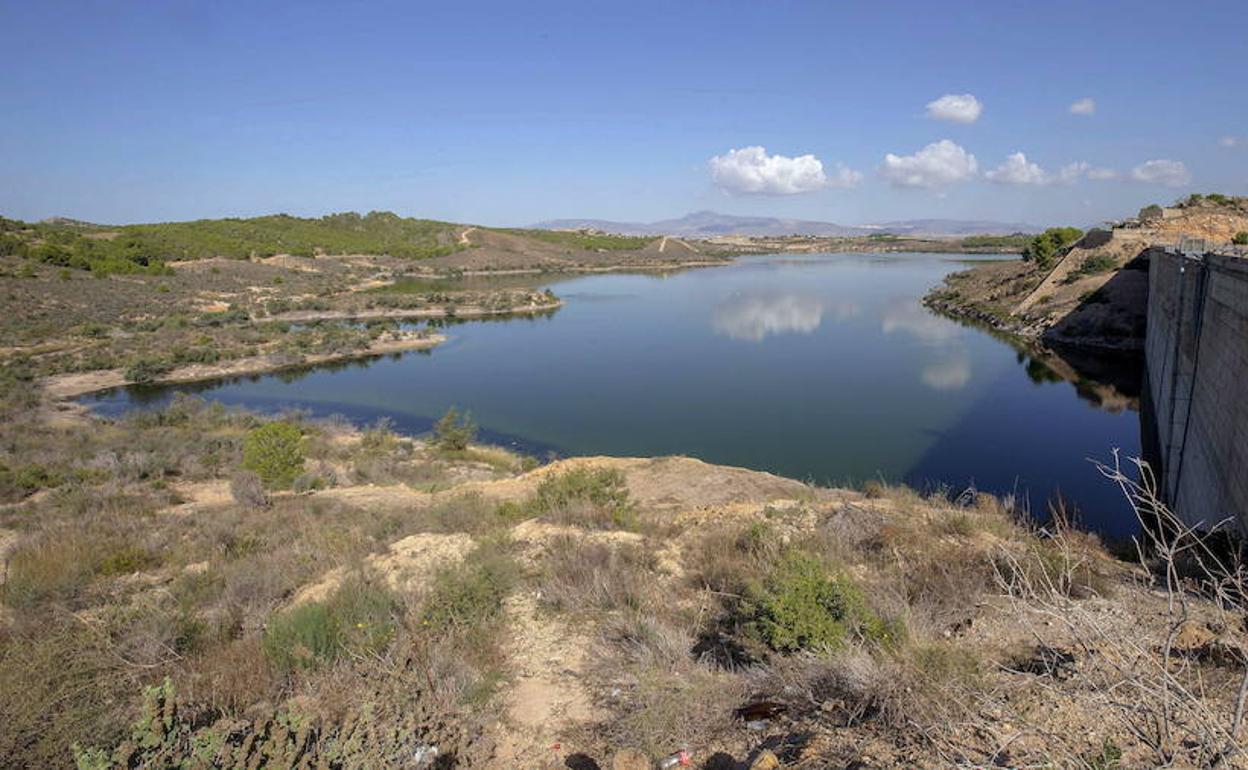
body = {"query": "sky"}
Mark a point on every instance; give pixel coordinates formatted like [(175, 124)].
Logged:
[(507, 113)]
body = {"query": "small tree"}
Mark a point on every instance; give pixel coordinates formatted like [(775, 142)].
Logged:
[(1241, 238), (454, 432), (274, 452), (1048, 245)]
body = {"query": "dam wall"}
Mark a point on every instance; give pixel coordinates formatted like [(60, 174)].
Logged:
[(1197, 369)]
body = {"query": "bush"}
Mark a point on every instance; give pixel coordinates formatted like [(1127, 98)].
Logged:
[(1094, 265), (274, 452), (454, 432), (146, 370), (1045, 247), (803, 605), (1241, 238), (1150, 213), (358, 617), (586, 496), (248, 490), (470, 594)]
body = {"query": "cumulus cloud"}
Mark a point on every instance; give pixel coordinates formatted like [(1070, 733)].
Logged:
[(958, 108), (755, 317), (1085, 106), (1020, 171), (1102, 174), (1170, 173), (751, 171), (937, 164), (1017, 170), (1070, 172), (1231, 141)]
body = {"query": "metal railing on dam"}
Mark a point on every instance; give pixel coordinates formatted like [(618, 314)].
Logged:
[(1197, 366)]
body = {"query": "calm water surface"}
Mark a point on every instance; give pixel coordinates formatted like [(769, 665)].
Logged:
[(824, 368)]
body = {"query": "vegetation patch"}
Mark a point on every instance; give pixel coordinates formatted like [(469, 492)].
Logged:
[(1047, 246), (586, 240), (804, 604), (593, 497), (274, 452), (469, 595), (359, 617), (453, 432)]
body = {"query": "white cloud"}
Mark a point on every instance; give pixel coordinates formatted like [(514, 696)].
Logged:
[(959, 108), (1017, 170), (1171, 173), (751, 171), (844, 177), (1020, 171), (938, 163), (1070, 172), (1085, 106), (1102, 174), (1231, 141)]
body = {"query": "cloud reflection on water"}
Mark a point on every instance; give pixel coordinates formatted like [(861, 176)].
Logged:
[(754, 317), (948, 363)]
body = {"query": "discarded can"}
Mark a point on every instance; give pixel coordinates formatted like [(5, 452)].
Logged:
[(424, 755), (679, 759)]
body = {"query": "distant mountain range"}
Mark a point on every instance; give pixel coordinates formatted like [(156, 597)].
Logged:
[(708, 224)]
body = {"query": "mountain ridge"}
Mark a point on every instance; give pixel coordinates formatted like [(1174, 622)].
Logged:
[(707, 224)]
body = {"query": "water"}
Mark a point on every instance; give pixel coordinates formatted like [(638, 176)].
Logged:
[(824, 368)]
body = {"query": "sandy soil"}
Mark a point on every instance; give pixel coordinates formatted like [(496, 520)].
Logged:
[(461, 311), (67, 386)]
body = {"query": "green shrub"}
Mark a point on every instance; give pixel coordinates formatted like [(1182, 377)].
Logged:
[(1241, 238), (469, 594), (1094, 265), (24, 480), (358, 617), (1045, 247), (146, 370), (454, 432), (803, 604), (602, 490), (274, 452)]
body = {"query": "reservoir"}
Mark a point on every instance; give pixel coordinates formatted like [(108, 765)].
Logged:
[(825, 368)]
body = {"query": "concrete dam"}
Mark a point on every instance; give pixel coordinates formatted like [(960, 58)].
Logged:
[(1196, 396)]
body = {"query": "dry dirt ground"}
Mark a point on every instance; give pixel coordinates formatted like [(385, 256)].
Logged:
[(1092, 297), (623, 628)]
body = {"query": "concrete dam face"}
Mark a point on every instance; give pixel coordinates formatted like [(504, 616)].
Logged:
[(1196, 353)]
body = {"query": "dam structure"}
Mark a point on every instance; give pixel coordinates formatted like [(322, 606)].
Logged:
[(1196, 352)]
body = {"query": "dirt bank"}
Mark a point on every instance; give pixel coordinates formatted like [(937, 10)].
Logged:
[(67, 386)]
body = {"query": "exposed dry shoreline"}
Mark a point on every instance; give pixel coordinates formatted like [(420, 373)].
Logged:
[(468, 311), (67, 386)]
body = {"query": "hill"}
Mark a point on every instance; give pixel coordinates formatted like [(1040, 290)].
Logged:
[(708, 224), (152, 248), (1092, 290), (148, 247), (203, 587)]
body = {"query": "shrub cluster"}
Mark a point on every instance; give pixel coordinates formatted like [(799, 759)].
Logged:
[(358, 617), (1046, 246), (274, 452)]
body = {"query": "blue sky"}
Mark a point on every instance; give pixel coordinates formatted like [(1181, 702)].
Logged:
[(508, 113)]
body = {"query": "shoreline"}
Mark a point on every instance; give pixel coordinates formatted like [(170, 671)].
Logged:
[(65, 387), (586, 270), (469, 311)]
